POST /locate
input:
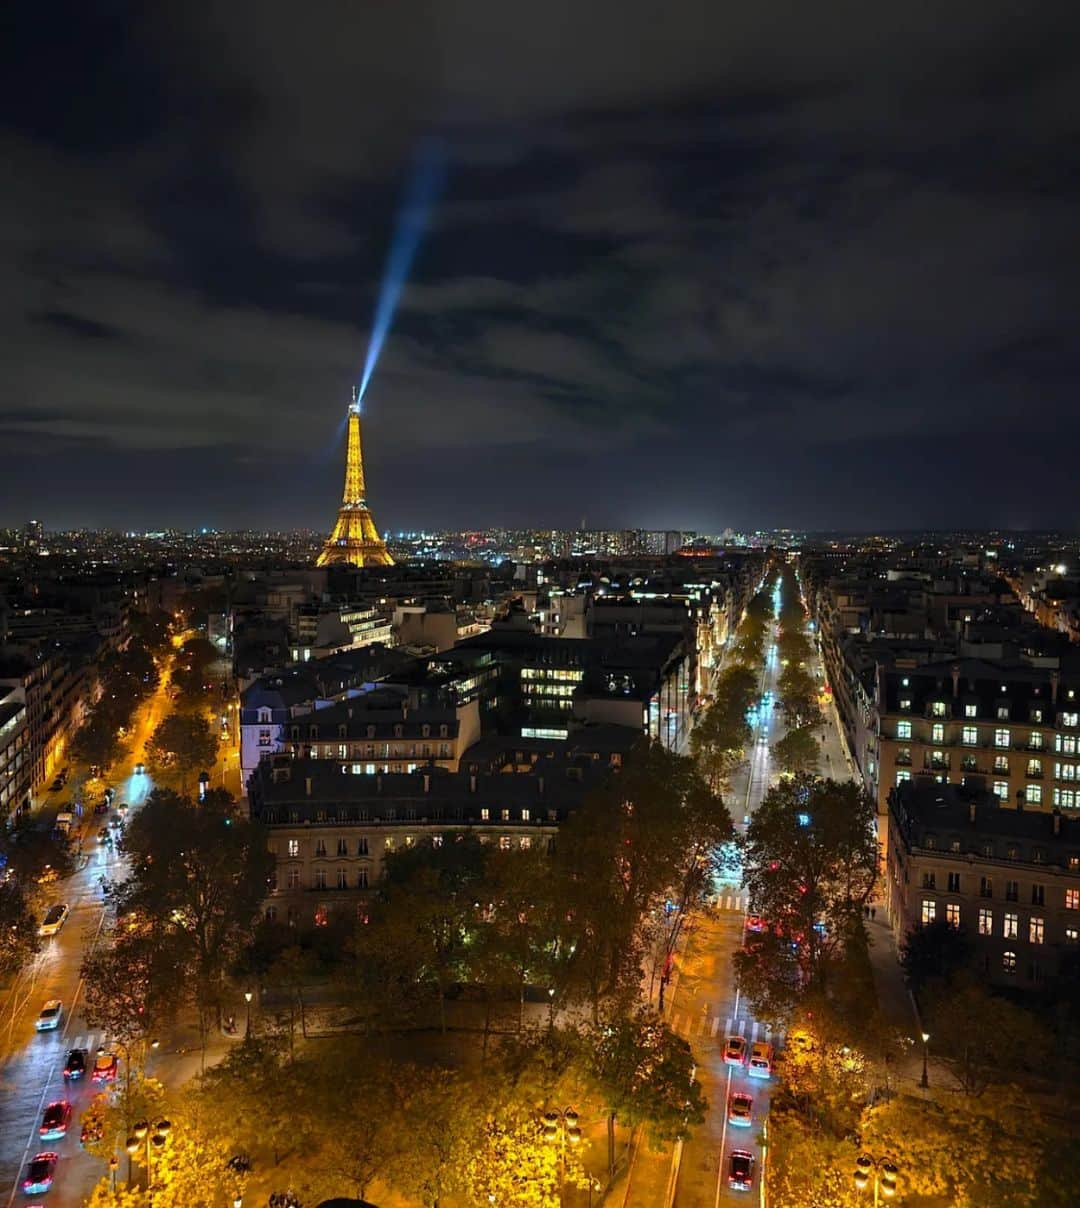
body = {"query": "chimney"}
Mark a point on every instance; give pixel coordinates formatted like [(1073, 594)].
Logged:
[(307, 785), (1057, 822), (427, 783), (955, 680), (971, 813)]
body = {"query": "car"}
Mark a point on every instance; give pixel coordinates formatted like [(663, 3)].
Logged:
[(40, 1172), (105, 1065), (740, 1109), (139, 769), (75, 1065), (761, 1060), (740, 1175), (754, 922), (56, 785), (55, 918), (735, 1050), (51, 1014), (55, 1120)]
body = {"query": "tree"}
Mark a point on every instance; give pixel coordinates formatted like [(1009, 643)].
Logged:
[(934, 952), (18, 928), (97, 741), (797, 751), (644, 1074), (439, 1119), (513, 1163), (181, 746), (198, 876), (810, 861)]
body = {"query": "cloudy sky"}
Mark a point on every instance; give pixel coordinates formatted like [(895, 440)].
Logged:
[(693, 264)]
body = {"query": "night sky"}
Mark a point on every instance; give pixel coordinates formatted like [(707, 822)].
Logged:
[(693, 265)]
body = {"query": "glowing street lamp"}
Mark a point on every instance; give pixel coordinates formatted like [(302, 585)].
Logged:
[(924, 1082), (561, 1128), (882, 1172)]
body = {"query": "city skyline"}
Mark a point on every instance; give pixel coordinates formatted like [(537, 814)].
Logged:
[(742, 281)]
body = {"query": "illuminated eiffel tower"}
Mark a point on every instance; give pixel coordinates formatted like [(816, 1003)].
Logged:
[(355, 539)]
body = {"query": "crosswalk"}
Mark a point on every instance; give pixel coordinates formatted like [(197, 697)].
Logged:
[(738, 901), (91, 1041), (695, 1025)]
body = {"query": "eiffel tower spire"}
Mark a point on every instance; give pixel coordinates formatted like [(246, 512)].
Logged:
[(355, 539)]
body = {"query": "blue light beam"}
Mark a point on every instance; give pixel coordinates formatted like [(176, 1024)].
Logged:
[(424, 185)]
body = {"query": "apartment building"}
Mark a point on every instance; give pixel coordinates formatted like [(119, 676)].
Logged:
[(1010, 878)]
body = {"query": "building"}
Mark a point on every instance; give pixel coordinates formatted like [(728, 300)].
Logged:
[(355, 540), (1009, 877), (330, 830), (15, 761)]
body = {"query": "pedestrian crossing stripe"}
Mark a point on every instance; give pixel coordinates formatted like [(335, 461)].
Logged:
[(691, 1025), (92, 1041), (732, 901)]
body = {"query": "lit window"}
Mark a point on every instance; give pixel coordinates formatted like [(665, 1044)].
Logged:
[(971, 710), (506, 815), (937, 732), (929, 910), (938, 708), (986, 921), (505, 842), (970, 736), (1035, 741), (485, 814), (525, 815), (1001, 789), (905, 703), (1001, 738), (1034, 794), (952, 914), (1072, 899), (1008, 962), (1034, 767), (903, 729), (902, 775), (1036, 931), (294, 847), (1003, 712), (1072, 935), (1011, 927), (1070, 719)]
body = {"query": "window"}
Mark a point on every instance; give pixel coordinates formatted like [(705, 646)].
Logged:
[(485, 815), (320, 878), (1065, 771), (343, 847), (970, 736), (1072, 899), (361, 879), (952, 914), (525, 815), (954, 882), (938, 760), (929, 880), (1035, 741), (1001, 764), (505, 814), (342, 883), (905, 703), (1001, 738), (505, 842), (1036, 930), (1036, 716), (971, 710), (1038, 895), (1012, 891), (1066, 797), (903, 757), (937, 732), (294, 847), (272, 881), (986, 921), (902, 775), (271, 914), (1072, 935), (1070, 719), (361, 847), (1008, 962), (938, 708), (320, 847), (292, 878), (1003, 712), (1012, 926), (1034, 767), (1001, 790), (986, 887), (903, 729), (1033, 794), (929, 910)]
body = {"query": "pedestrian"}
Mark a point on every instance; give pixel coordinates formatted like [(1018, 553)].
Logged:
[(866, 912), (873, 912)]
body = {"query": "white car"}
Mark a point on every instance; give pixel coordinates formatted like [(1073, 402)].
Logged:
[(51, 1014), (55, 918)]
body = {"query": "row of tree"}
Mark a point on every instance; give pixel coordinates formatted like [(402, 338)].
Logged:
[(798, 750)]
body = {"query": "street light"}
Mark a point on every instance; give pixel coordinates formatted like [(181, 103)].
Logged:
[(155, 1139), (561, 1128), (247, 1027), (925, 1080), (882, 1171)]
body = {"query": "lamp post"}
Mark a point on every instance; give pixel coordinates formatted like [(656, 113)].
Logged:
[(882, 1171), (154, 1138), (561, 1128), (924, 1082), (247, 1026)]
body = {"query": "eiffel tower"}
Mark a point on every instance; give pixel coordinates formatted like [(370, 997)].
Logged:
[(355, 539)]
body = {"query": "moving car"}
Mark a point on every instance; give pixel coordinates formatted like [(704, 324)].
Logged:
[(75, 1065), (51, 1014), (754, 922), (55, 918), (55, 1120), (740, 1109), (740, 1170), (40, 1172), (139, 769), (104, 1067), (761, 1060), (735, 1050)]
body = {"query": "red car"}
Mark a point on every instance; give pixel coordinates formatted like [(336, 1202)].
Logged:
[(740, 1109), (735, 1050), (740, 1170), (754, 922), (55, 1120), (105, 1065), (39, 1173)]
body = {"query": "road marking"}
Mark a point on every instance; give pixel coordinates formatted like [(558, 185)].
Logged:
[(715, 1025)]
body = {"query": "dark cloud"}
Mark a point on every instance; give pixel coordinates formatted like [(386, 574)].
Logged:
[(702, 264)]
